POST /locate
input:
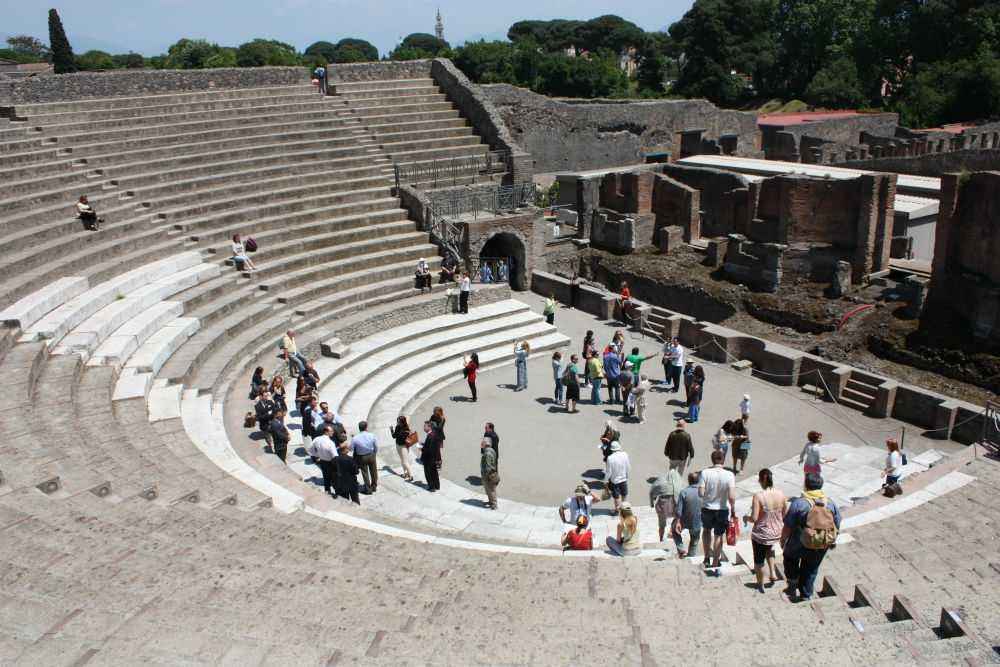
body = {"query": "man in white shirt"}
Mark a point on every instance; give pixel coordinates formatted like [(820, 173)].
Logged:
[(465, 287), (673, 363), (616, 470), (579, 503), (716, 487), (323, 450)]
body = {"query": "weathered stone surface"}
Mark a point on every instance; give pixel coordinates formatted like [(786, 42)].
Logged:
[(564, 136), (136, 82)]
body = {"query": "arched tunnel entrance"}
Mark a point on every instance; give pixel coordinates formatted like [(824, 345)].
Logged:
[(504, 252)]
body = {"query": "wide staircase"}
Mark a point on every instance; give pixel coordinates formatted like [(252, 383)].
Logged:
[(134, 529)]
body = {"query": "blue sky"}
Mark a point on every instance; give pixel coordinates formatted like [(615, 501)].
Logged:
[(149, 26)]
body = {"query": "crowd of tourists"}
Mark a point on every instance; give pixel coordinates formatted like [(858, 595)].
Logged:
[(701, 503)]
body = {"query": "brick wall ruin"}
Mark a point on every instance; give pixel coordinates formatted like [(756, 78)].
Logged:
[(965, 282)]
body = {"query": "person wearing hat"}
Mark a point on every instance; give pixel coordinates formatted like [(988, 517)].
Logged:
[(579, 504), (679, 448), (580, 538), (423, 274), (616, 470), (627, 542)]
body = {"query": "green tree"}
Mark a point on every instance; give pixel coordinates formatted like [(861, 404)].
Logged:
[(63, 61), (595, 76), (555, 35), (419, 45), (129, 61), (261, 52), (224, 57), (349, 49), (325, 50), (836, 85), (95, 60), (487, 62), (608, 32), (189, 54), (26, 45)]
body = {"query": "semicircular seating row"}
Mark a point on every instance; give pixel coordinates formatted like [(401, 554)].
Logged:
[(148, 297), (129, 540)]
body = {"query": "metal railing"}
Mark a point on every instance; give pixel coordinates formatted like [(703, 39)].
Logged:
[(496, 200), (452, 170), (440, 216)]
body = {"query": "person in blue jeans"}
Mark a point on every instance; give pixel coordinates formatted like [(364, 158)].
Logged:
[(557, 371), (694, 403), (612, 375), (802, 563)]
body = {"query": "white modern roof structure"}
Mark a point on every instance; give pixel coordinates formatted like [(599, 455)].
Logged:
[(906, 183)]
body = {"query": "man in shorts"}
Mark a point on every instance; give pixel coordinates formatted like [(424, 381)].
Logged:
[(616, 470), (717, 487)]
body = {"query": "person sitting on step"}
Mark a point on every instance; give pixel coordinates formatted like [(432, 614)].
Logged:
[(87, 215)]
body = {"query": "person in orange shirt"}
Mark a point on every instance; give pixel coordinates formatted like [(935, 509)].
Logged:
[(625, 301)]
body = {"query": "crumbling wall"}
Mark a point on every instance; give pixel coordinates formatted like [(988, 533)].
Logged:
[(575, 135), (966, 272), (785, 142), (676, 204), (627, 192), (725, 198)]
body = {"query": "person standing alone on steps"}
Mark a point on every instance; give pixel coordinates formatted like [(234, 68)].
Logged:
[(521, 352), (489, 471), (464, 288), (470, 367)]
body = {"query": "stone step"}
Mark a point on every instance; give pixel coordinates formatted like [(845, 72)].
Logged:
[(306, 224), (127, 113), (97, 104), (153, 116), (31, 308), (128, 314), (293, 128), (301, 209), (370, 101), (862, 389), (57, 323), (284, 281), (356, 384), (277, 119), (302, 253), (124, 341), (847, 401), (391, 125), (338, 87), (184, 362), (319, 295), (423, 370), (418, 87), (395, 134), (404, 145), (857, 398), (427, 157), (403, 111), (150, 356), (258, 139), (233, 352)]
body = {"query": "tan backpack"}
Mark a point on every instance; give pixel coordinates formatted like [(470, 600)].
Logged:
[(820, 530)]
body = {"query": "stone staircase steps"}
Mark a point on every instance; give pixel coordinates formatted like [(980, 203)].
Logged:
[(111, 103)]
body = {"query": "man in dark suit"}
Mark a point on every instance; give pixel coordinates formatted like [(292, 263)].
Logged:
[(347, 474), (431, 456)]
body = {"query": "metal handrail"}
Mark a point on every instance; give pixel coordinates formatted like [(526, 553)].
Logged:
[(494, 201), (452, 169)]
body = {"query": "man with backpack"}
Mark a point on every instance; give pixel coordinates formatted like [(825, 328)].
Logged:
[(811, 526)]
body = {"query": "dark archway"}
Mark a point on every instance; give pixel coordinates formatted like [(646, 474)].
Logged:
[(510, 248)]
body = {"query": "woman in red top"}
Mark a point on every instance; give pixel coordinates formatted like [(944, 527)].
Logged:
[(471, 366), (580, 538)]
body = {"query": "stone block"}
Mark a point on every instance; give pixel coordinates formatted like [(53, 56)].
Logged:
[(717, 249), (744, 366), (335, 348), (670, 238)]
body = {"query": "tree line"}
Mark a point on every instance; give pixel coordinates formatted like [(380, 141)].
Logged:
[(933, 61)]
